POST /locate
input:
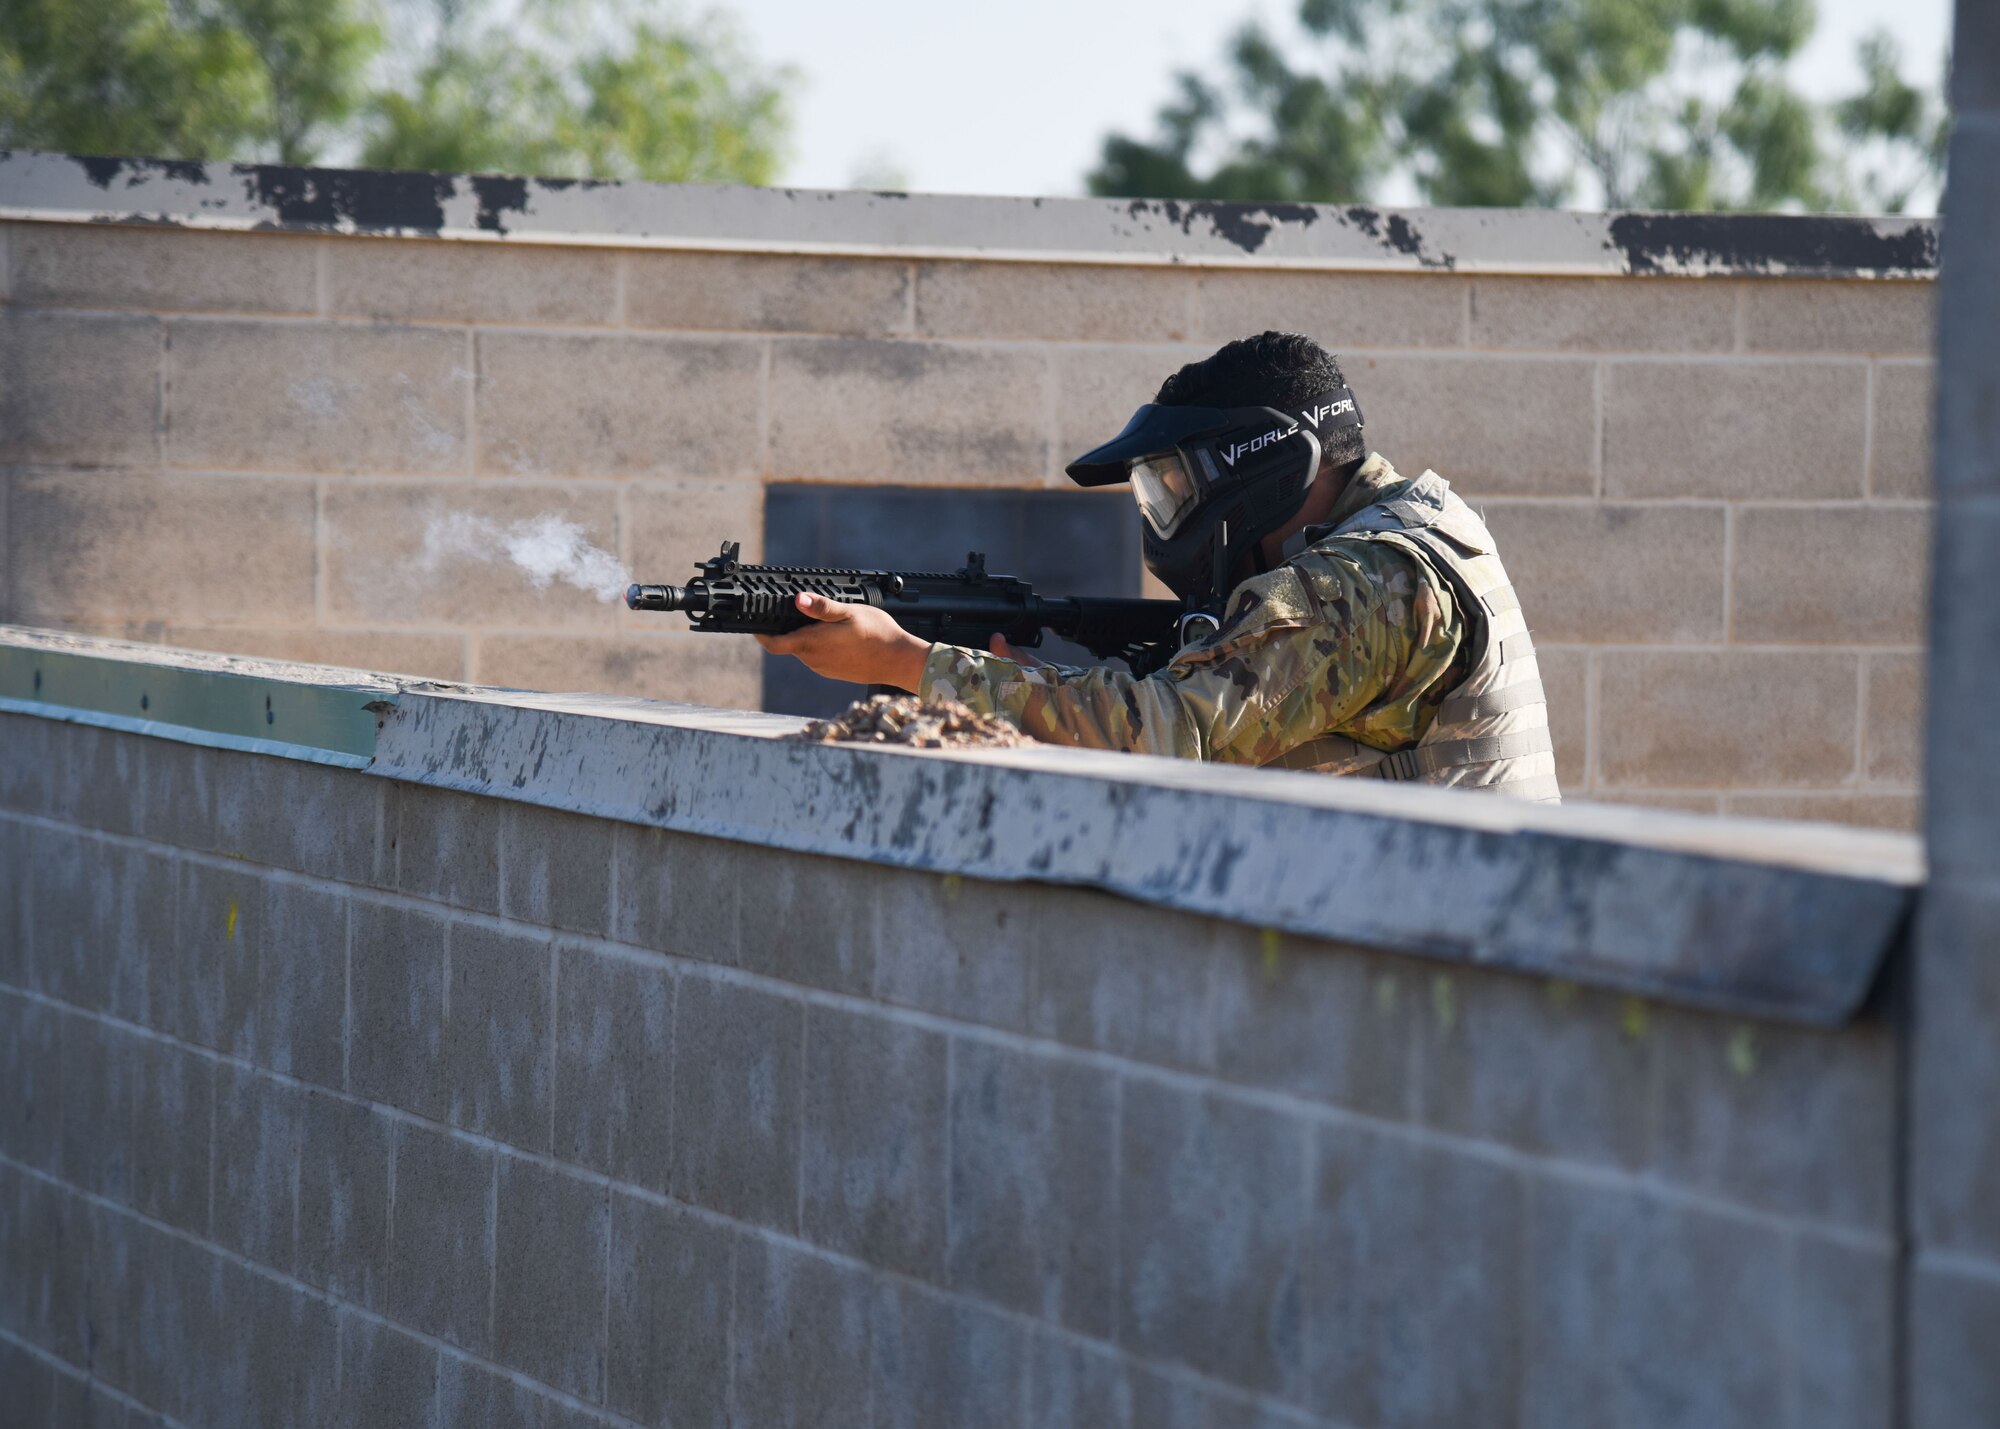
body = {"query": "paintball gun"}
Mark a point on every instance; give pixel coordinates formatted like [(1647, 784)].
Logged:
[(964, 607)]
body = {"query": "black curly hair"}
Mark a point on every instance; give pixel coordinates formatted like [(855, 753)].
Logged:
[(1272, 369)]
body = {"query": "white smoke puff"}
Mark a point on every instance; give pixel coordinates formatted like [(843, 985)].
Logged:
[(545, 548)]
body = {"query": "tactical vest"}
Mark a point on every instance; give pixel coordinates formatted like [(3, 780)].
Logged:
[(1492, 731)]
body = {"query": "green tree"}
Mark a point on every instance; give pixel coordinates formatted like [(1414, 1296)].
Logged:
[(594, 90), (1675, 104), (603, 89), (182, 78)]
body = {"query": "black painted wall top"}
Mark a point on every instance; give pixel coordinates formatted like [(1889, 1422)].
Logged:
[(66, 188)]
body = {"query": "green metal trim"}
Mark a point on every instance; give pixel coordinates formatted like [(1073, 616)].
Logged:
[(328, 724)]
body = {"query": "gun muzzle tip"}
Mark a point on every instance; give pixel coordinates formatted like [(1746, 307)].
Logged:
[(632, 596)]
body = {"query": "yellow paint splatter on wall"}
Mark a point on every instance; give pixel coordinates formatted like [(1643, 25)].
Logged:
[(1632, 1017), (229, 923), (1270, 940)]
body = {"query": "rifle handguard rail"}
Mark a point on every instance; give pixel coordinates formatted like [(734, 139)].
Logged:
[(964, 607)]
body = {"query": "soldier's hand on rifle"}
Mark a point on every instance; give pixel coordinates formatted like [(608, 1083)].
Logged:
[(853, 642)]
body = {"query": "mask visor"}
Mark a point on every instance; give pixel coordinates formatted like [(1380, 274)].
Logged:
[(1165, 491)]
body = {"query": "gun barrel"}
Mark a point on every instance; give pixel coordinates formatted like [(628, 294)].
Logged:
[(666, 597)]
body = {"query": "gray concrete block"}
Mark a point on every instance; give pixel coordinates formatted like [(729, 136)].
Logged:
[(952, 946), (1955, 1069), (441, 1257), (259, 970), (29, 770), (207, 994), (96, 777), (1540, 1066), (668, 1359), (306, 818), (553, 1245), (14, 880), (471, 1397), (1789, 1120), (555, 869), (784, 1372), (14, 1251), (61, 954), (1032, 1184), (115, 1251), (100, 1091), (1965, 630), (1320, 1021), (173, 1114), (87, 1404), (297, 1021), (1968, 427), (1843, 1335), (1642, 1311), (267, 1353), (100, 920), (28, 1386), (738, 1056), (30, 1081), (677, 894), (1412, 1272), (1073, 1384), (343, 1203), (387, 1379), (49, 1247), (176, 795), (396, 1052), (1121, 977), (498, 1061), (872, 1165), (614, 1065), (1954, 1377), (170, 1292), (1180, 1401), (447, 846), (1210, 1225), (939, 1361), (808, 920), (257, 1131)]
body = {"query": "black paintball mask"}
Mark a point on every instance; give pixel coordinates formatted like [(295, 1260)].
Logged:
[(1213, 482)]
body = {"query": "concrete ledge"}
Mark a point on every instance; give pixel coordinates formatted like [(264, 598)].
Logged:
[(69, 189), (1775, 920)]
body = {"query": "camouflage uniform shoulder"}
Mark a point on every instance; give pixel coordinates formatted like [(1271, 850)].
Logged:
[(1349, 574)]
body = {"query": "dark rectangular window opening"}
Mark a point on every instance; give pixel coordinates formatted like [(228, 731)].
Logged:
[(1061, 542)]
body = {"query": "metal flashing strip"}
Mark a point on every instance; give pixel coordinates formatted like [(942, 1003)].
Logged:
[(327, 723), (487, 208)]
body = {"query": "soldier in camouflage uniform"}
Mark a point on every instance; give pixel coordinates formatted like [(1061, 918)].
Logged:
[(1364, 624)]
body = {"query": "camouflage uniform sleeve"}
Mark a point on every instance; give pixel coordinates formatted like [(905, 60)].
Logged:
[(1302, 651)]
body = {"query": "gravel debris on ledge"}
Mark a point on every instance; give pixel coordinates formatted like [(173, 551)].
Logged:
[(903, 719)]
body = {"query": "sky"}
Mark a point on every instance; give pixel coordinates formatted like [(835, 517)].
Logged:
[(941, 96)]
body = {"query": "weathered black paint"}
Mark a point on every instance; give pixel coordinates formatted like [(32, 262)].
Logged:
[(104, 171), (1771, 242), (497, 196), (1246, 225), (368, 200)]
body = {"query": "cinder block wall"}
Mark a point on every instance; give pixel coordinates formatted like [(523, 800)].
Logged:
[(1713, 490), (331, 1100)]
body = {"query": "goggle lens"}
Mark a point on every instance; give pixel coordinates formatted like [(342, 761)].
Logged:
[(1164, 491)]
